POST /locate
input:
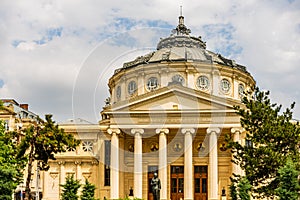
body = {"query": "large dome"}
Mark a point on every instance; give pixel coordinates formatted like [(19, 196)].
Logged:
[(182, 59), (181, 46)]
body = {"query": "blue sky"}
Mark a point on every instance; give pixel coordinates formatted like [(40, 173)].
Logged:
[(48, 46)]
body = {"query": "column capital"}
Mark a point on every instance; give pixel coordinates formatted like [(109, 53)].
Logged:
[(213, 129), (77, 162), (162, 130), (95, 162), (137, 130), (61, 162), (235, 130), (113, 130), (188, 130)]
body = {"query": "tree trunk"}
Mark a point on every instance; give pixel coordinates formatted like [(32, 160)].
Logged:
[(29, 170)]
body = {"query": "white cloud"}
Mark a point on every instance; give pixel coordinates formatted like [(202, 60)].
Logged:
[(44, 74)]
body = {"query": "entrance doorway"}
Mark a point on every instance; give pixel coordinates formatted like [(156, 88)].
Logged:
[(151, 171), (177, 182), (200, 182)]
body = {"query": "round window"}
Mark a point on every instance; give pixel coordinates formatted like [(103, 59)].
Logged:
[(225, 85), (87, 146), (203, 82), (152, 83), (132, 87), (178, 79)]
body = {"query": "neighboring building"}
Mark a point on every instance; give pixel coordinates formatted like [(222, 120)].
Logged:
[(82, 162), (17, 117), (169, 112)]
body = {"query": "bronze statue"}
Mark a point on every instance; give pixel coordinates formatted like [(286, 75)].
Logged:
[(155, 184)]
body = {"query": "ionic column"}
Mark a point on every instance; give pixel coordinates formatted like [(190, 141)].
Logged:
[(162, 173), (188, 163), (213, 162), (114, 163), (138, 166), (236, 169)]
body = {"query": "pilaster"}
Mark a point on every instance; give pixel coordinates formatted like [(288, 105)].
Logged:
[(61, 174), (215, 82), (78, 170)]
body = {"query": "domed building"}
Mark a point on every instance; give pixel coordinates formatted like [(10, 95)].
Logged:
[(169, 112)]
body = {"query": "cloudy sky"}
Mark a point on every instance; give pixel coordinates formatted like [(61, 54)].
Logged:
[(57, 55)]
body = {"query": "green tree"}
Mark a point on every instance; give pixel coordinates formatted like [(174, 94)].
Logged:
[(288, 182), (41, 143), (70, 188), (244, 188), (88, 191), (11, 167), (233, 190), (271, 138)]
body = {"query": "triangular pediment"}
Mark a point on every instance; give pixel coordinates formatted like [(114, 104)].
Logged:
[(175, 98)]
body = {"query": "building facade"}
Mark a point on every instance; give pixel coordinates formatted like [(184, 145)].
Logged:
[(17, 117), (169, 112)]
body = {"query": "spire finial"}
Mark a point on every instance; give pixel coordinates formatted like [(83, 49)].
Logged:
[(181, 29), (180, 10)]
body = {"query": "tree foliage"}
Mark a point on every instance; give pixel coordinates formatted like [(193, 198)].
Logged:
[(271, 139), (11, 166), (244, 188), (70, 188), (288, 182), (41, 143), (88, 191), (233, 190)]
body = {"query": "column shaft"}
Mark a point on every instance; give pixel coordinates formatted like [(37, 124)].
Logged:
[(114, 167), (188, 163), (138, 178), (236, 169), (213, 163), (138, 163), (162, 173)]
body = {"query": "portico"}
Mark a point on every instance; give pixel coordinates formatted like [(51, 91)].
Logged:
[(165, 159)]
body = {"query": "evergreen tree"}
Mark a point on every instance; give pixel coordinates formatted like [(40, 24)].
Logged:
[(289, 184), (88, 191), (244, 188), (41, 143), (271, 138), (11, 167), (233, 190), (70, 188)]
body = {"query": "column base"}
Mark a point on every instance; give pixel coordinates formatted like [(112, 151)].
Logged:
[(188, 198), (213, 199)]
